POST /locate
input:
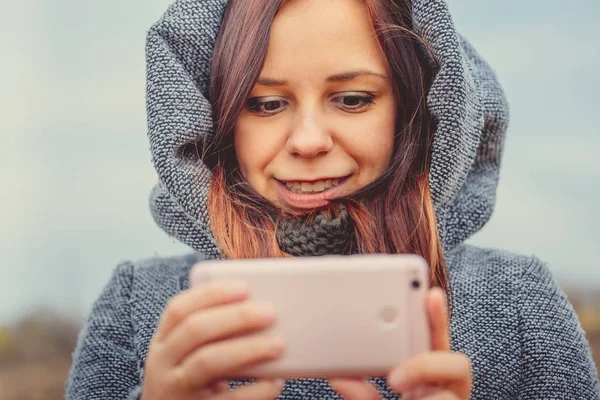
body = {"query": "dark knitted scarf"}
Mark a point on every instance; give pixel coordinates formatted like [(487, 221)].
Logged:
[(317, 235)]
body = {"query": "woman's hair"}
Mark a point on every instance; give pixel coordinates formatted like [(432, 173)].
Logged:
[(399, 218)]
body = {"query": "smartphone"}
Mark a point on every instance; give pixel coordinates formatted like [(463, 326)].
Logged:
[(357, 315)]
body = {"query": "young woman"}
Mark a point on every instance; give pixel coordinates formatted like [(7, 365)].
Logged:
[(309, 127)]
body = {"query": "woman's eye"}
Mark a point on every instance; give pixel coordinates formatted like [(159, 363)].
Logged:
[(354, 102), (266, 106)]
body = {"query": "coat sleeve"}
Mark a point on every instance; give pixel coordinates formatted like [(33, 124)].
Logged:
[(556, 357), (105, 363)]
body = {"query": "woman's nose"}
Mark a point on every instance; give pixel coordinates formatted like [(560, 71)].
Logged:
[(310, 137)]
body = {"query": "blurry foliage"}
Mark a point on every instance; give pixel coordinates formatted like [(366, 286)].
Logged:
[(35, 357), (35, 354)]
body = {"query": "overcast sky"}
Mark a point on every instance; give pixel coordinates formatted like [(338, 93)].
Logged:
[(75, 165)]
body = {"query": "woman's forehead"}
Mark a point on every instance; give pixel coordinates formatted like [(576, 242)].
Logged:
[(319, 37)]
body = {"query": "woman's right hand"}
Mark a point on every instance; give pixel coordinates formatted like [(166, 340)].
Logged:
[(206, 334)]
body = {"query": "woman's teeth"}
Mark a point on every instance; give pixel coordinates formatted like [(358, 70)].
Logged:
[(307, 187)]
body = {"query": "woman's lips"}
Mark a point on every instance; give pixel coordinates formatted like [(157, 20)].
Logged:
[(311, 200)]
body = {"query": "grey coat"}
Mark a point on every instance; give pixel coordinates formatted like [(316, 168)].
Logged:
[(510, 317)]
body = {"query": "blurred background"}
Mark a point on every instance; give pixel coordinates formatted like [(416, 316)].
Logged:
[(76, 170)]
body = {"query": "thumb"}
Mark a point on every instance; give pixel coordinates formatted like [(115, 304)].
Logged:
[(354, 388)]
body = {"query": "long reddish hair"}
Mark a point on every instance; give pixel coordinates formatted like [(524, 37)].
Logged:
[(395, 213)]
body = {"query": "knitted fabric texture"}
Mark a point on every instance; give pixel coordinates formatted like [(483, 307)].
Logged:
[(316, 236), (509, 317)]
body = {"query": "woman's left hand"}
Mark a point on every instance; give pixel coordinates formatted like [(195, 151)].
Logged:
[(436, 375)]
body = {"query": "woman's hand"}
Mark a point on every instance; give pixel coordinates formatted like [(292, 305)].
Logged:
[(436, 375), (205, 335)]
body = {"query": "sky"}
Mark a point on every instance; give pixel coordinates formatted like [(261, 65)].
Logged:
[(75, 166)]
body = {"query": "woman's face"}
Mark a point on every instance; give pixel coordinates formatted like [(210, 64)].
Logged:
[(319, 123)]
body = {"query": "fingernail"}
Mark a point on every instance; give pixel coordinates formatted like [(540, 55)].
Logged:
[(279, 383), (432, 390), (266, 312), (276, 345), (419, 392), (397, 379), (238, 289)]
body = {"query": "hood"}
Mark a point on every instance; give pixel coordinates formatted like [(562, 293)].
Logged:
[(465, 99)]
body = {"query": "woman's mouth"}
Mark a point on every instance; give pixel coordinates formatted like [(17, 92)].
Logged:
[(311, 194), (312, 187)]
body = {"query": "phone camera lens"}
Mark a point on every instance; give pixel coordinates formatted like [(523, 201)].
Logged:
[(416, 284)]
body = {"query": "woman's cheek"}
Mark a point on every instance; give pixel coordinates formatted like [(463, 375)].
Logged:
[(371, 142), (258, 142)]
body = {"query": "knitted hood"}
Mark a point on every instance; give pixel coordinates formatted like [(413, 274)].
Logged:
[(465, 99)]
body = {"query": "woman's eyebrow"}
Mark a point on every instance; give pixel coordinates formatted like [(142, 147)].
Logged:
[(341, 77), (264, 81), (348, 76)]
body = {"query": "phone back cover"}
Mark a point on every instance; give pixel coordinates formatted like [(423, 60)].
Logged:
[(339, 315)]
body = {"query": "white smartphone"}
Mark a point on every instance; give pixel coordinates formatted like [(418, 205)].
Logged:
[(357, 315)]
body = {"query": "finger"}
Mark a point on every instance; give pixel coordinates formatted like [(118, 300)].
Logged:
[(226, 358), (448, 370), (196, 299), (216, 323), (438, 319), (212, 389), (421, 392), (431, 394), (219, 386), (354, 388), (261, 390)]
